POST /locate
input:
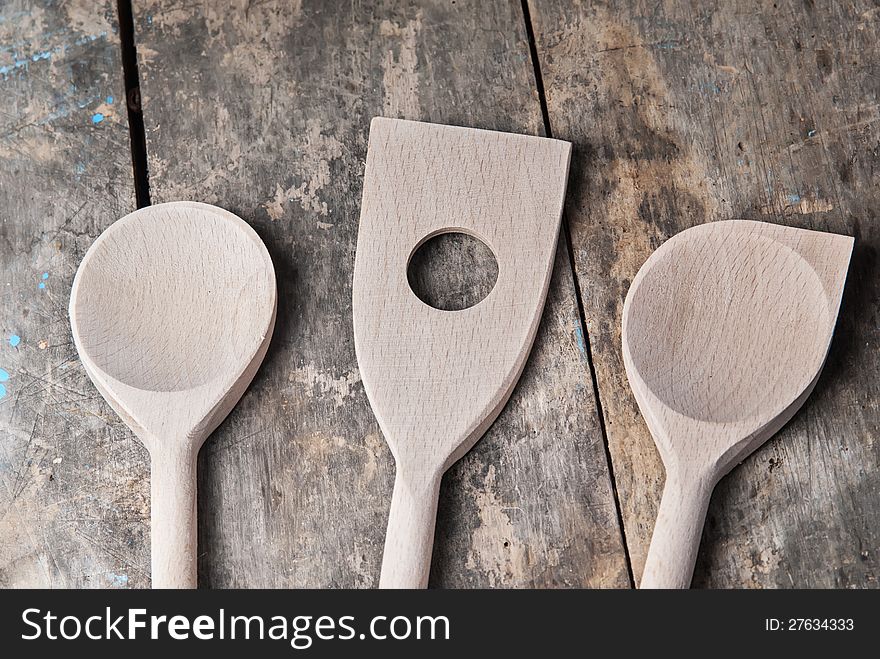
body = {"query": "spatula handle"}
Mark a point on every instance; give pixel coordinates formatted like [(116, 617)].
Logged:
[(174, 526), (409, 540), (677, 532)]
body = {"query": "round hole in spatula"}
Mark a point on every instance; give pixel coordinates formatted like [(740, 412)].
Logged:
[(452, 271)]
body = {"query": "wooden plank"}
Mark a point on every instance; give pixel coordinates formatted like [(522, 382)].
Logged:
[(73, 487), (681, 115), (264, 109)]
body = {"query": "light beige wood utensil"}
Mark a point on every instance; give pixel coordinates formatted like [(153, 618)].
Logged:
[(725, 331), (172, 310), (438, 379)]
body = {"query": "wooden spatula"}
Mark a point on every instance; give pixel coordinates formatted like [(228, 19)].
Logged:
[(172, 310), (725, 331), (437, 379)]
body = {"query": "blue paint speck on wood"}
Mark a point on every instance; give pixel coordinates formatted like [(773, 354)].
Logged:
[(89, 38), (118, 580), (109, 100), (42, 285), (14, 340), (4, 375), (2, 391), (97, 118), (45, 275), (579, 336), (794, 198)]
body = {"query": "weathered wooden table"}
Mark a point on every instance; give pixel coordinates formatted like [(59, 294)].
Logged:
[(679, 113)]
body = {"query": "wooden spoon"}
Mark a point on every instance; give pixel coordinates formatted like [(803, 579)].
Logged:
[(725, 331), (172, 310), (438, 379)]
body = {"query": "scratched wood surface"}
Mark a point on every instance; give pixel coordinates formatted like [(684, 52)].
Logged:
[(679, 115), (682, 114), (264, 108), (73, 480)]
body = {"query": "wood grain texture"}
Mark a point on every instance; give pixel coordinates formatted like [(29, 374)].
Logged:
[(172, 311), (682, 115), (436, 380), (74, 505), (725, 331), (264, 108)]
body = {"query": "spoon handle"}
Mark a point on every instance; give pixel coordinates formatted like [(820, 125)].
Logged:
[(677, 532), (409, 540), (174, 527)]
